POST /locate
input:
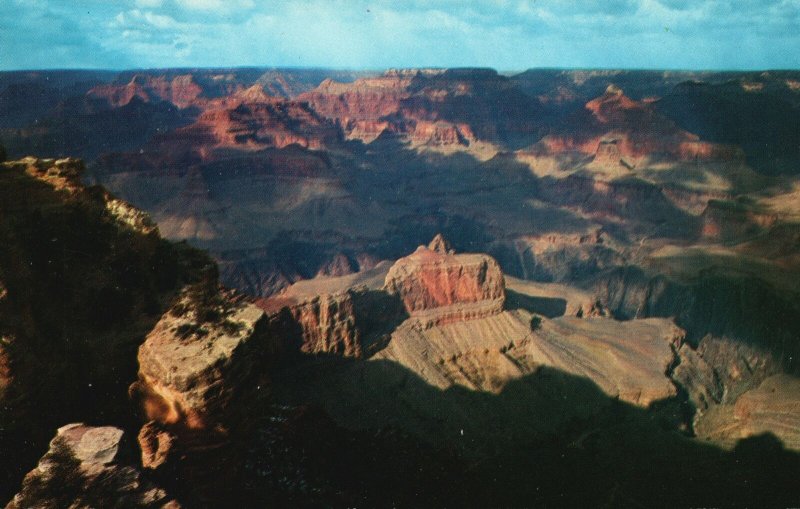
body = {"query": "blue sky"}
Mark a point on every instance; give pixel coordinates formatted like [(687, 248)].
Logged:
[(374, 34)]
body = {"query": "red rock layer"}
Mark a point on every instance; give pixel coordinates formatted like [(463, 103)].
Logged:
[(182, 91), (250, 121), (618, 127), (328, 325), (444, 286), (325, 323), (434, 108)]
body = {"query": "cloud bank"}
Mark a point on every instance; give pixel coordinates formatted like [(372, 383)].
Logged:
[(362, 34)]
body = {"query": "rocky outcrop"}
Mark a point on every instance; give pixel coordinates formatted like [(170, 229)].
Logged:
[(196, 361), (202, 372), (437, 286), (88, 467), (85, 276), (333, 315), (320, 324), (440, 245), (60, 174), (158, 445)]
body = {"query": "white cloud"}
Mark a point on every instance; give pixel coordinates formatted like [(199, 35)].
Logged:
[(215, 5), (149, 4), (507, 34)]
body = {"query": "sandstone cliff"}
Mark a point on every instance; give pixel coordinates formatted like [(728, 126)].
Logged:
[(198, 358), (325, 322), (437, 286)]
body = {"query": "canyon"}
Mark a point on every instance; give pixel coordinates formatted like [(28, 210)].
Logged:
[(472, 288)]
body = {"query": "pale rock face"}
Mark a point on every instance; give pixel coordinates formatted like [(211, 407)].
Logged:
[(88, 462), (61, 174), (96, 445), (627, 360), (189, 371), (130, 216)]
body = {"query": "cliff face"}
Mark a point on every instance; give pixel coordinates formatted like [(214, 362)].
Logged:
[(88, 467), (328, 324), (84, 277), (250, 121), (202, 370), (439, 286), (430, 107), (190, 367)]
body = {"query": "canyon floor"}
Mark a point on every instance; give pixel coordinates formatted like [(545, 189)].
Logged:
[(411, 288)]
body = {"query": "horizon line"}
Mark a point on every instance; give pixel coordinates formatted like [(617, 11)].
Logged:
[(389, 68)]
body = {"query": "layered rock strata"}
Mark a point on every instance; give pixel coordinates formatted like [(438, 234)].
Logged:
[(437, 286), (773, 407), (190, 368)]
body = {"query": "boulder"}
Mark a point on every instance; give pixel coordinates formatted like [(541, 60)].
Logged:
[(87, 467)]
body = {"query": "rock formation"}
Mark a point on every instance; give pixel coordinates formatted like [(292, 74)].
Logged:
[(437, 286), (622, 134), (432, 108), (328, 324), (251, 121), (182, 91), (198, 358), (84, 276), (88, 467), (628, 360)]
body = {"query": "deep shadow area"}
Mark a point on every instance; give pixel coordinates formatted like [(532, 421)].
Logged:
[(764, 123), (549, 307), (546, 440), (377, 314), (82, 292), (743, 308)]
